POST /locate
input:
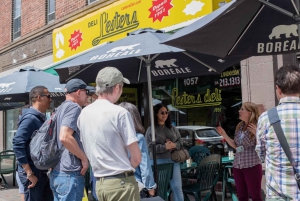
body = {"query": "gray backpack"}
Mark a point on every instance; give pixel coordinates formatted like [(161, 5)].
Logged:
[(44, 150)]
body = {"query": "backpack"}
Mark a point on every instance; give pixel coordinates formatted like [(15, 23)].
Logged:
[(44, 150)]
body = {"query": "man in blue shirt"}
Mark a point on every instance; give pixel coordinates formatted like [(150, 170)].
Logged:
[(35, 181), (67, 177)]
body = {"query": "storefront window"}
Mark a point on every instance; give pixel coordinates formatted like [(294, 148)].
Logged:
[(205, 100), (12, 118)]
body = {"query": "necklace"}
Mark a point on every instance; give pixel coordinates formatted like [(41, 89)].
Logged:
[(162, 126)]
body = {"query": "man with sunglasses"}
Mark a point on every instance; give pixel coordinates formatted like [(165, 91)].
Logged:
[(67, 177), (108, 134), (35, 181)]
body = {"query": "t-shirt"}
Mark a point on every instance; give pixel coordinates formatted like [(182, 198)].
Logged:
[(68, 117), (106, 131)]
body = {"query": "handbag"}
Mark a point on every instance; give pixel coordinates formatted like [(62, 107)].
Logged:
[(275, 122), (180, 155)]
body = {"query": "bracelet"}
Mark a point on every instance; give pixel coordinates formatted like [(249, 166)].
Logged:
[(30, 174), (26, 166)]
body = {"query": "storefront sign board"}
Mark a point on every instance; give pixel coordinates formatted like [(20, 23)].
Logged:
[(116, 20)]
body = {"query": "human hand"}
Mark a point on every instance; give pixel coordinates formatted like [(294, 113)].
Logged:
[(151, 192), (33, 179), (221, 131), (85, 166), (252, 128), (170, 145)]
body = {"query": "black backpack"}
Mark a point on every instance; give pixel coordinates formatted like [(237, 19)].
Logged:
[(44, 150)]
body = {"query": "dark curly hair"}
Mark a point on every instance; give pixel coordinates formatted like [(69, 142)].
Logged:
[(156, 108)]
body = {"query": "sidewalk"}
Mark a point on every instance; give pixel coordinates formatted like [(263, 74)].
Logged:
[(12, 192)]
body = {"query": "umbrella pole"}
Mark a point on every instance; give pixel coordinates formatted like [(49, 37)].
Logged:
[(297, 2), (148, 65)]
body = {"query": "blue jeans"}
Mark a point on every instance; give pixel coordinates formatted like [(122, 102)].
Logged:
[(67, 185), (176, 182), (21, 187), (93, 184), (41, 191)]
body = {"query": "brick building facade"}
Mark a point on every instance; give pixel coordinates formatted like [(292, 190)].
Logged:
[(35, 41)]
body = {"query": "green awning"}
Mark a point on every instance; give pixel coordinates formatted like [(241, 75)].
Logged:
[(51, 71)]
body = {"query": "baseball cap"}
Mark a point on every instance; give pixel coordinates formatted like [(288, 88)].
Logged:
[(110, 76), (76, 84)]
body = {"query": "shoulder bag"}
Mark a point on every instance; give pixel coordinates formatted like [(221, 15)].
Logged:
[(180, 155), (275, 122)]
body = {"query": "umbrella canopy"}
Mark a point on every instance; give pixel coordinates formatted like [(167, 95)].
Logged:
[(16, 86), (244, 27), (131, 54)]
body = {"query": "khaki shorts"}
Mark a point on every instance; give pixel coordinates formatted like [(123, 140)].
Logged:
[(121, 189)]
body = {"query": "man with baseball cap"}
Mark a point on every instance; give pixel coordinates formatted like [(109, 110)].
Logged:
[(107, 134), (67, 177)]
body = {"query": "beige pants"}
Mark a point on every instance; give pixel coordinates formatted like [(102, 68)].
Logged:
[(123, 189)]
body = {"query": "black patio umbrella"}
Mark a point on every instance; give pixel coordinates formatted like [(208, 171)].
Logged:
[(244, 27), (141, 58), (16, 86)]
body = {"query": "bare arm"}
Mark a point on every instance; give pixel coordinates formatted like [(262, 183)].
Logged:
[(230, 141), (30, 175), (69, 142), (135, 154)]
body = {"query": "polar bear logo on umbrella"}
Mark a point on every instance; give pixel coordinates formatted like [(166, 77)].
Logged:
[(6, 85), (169, 63), (287, 30), (123, 48)]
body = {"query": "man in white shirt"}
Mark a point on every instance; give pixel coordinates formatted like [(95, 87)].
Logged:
[(107, 134)]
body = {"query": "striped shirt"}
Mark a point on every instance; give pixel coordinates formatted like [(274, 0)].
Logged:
[(248, 157), (280, 181)]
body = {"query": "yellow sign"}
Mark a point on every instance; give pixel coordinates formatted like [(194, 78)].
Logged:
[(116, 20), (210, 98), (85, 197)]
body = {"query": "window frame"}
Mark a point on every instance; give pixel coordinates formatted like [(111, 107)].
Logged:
[(92, 1), (16, 22), (50, 16)]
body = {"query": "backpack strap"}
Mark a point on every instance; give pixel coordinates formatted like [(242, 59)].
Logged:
[(275, 122)]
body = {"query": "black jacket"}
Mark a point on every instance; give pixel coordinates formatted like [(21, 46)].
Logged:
[(29, 122)]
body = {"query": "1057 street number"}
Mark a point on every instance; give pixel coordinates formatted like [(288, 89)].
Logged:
[(190, 81)]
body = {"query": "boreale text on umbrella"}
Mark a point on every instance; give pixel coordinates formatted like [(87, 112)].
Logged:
[(279, 32), (118, 52)]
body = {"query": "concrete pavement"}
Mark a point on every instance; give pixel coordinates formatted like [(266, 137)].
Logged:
[(12, 192)]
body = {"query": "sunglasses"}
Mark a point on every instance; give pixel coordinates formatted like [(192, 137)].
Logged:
[(166, 113), (47, 95)]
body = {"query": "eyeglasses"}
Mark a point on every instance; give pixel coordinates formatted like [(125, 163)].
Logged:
[(166, 113), (47, 95), (86, 91)]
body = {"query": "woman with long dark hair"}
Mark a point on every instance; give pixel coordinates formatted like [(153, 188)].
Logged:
[(247, 169), (167, 139)]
